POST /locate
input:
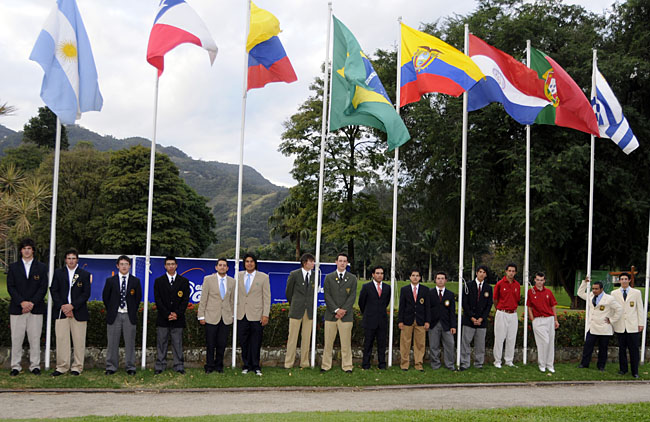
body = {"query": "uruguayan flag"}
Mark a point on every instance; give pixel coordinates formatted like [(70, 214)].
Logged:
[(611, 122), (63, 51)]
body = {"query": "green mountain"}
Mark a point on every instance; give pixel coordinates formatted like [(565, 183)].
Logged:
[(215, 180)]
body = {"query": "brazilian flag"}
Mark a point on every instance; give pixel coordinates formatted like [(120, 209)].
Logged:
[(358, 97)]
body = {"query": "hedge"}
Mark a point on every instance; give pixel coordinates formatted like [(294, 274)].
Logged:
[(570, 333)]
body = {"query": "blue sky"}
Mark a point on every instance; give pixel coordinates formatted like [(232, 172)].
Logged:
[(200, 106)]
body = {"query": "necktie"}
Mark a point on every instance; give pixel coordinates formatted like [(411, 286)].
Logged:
[(379, 289), (340, 277), (123, 292), (440, 295), (415, 294), (222, 288), (624, 294), (171, 281), (307, 281), (478, 293), (594, 301), (248, 283)]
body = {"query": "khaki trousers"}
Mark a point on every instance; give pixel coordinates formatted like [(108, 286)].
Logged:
[(292, 341), (418, 334), (64, 328), (344, 330), (32, 324)]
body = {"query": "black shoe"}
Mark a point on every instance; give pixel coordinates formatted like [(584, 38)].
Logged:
[(365, 369), (635, 375), (349, 371), (209, 371), (56, 373), (14, 372), (581, 366), (219, 371), (323, 370), (382, 368), (157, 372), (461, 369), (130, 372), (404, 370), (601, 369), (621, 373), (36, 371), (75, 373), (109, 372), (181, 371)]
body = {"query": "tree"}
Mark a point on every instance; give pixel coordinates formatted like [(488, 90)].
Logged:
[(182, 223), (6, 110), (26, 157), (41, 130), (289, 220)]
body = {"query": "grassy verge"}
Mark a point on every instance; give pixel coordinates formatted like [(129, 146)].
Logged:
[(635, 411), (277, 377)]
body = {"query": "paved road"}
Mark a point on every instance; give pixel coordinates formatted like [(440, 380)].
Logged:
[(183, 403)]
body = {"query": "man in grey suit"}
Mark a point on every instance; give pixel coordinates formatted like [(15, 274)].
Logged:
[(253, 308), (216, 314), (121, 295), (171, 292), (300, 294), (340, 292)]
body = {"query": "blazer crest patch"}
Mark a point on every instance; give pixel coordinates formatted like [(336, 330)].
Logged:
[(486, 294), (421, 301), (602, 307), (631, 304), (446, 303), (347, 290), (79, 284), (180, 293), (37, 277), (132, 292)]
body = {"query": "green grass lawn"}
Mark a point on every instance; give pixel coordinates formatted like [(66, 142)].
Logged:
[(274, 377), (630, 412)]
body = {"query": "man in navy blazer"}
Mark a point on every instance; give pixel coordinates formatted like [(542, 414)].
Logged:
[(443, 322), (122, 294), (27, 286), (373, 300), (171, 292), (413, 317), (70, 293), (477, 303)]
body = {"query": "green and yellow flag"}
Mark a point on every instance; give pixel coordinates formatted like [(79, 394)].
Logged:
[(358, 97)]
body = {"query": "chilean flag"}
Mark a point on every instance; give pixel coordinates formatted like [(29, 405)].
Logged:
[(507, 81), (177, 23)]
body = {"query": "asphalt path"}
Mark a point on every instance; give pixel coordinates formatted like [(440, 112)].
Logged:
[(51, 404)]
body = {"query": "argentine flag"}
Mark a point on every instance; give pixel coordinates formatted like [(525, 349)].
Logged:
[(611, 122), (63, 51)]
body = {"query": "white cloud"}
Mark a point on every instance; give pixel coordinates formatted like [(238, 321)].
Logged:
[(199, 105)]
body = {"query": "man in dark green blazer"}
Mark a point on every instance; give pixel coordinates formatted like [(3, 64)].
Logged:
[(340, 293), (300, 294)]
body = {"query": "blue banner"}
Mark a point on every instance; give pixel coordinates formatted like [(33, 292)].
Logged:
[(194, 269)]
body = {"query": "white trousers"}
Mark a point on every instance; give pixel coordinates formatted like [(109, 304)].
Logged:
[(544, 329), (505, 329)]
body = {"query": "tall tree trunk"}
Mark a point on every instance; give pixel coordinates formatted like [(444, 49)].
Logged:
[(430, 265), (298, 248)]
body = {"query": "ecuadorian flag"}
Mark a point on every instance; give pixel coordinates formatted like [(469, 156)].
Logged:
[(431, 65), (267, 60)]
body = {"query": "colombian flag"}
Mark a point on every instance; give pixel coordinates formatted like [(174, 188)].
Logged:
[(431, 65), (267, 60)]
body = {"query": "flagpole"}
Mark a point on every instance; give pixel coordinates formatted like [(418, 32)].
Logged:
[(645, 303), (55, 200), (463, 182), (591, 193), (240, 183), (319, 221), (393, 250), (527, 245), (147, 259)]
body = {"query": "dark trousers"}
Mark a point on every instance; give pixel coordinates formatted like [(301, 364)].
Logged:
[(587, 351), (216, 336), (250, 340), (370, 334), (628, 341), (162, 340)]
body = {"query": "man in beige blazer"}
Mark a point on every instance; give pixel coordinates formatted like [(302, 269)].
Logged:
[(253, 308), (604, 310), (629, 326), (216, 314)]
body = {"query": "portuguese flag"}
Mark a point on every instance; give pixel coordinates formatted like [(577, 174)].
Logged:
[(569, 105)]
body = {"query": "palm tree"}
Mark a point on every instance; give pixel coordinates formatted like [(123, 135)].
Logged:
[(284, 222), (6, 110), (428, 244)]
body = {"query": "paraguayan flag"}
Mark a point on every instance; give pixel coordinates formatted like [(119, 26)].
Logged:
[(611, 122), (63, 51)]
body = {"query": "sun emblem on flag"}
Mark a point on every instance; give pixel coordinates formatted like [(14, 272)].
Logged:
[(498, 76), (550, 87), (424, 56), (68, 51)]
